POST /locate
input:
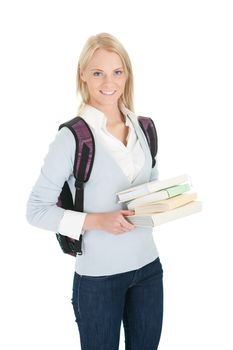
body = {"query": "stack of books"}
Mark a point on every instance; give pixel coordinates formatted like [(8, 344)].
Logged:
[(160, 201)]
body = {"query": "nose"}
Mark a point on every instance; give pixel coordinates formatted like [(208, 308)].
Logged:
[(108, 78)]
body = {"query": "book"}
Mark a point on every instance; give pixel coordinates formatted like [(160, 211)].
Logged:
[(166, 204), (158, 196), (149, 187), (152, 220)]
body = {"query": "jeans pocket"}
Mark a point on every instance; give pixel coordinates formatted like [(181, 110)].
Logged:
[(96, 278)]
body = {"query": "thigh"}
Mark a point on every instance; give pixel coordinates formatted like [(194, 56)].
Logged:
[(98, 310), (143, 312)]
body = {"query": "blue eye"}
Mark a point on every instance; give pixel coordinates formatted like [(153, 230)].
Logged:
[(119, 71)]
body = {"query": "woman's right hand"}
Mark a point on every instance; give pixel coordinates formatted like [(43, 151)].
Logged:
[(113, 222)]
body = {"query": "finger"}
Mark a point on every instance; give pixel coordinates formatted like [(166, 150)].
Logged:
[(124, 229), (127, 212), (126, 225)]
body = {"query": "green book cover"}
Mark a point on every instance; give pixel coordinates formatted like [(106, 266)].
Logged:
[(178, 189)]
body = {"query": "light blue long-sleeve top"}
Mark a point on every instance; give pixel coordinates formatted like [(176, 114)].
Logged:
[(103, 252)]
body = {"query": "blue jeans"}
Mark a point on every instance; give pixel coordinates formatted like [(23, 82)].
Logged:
[(136, 297)]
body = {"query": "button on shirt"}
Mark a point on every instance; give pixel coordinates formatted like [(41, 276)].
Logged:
[(130, 158)]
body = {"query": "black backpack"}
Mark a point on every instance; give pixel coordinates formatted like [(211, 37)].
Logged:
[(83, 162)]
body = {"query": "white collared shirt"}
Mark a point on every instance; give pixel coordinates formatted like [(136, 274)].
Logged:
[(130, 157)]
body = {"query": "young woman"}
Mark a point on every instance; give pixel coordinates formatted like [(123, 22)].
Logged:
[(119, 276)]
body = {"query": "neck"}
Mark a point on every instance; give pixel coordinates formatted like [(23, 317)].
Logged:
[(112, 113)]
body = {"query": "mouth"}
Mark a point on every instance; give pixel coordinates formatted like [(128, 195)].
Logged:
[(108, 93)]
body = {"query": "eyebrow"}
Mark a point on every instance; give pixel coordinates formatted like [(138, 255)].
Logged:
[(102, 70)]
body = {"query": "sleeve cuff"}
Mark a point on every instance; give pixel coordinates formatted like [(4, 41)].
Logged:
[(71, 223)]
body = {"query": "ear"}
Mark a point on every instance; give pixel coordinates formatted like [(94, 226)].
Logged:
[(81, 74)]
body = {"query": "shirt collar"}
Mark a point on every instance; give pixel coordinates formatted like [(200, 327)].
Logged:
[(98, 120)]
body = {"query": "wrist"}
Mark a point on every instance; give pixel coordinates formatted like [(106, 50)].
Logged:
[(92, 221)]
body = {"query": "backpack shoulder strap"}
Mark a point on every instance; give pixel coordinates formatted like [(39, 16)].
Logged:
[(83, 162), (148, 127), (84, 155)]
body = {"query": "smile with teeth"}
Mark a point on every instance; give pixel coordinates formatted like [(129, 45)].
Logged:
[(107, 92)]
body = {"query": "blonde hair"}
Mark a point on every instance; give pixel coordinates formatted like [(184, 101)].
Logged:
[(110, 43)]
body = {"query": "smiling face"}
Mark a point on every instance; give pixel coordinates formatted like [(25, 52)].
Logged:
[(105, 78)]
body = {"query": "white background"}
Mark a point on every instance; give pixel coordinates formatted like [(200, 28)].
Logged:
[(181, 53)]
